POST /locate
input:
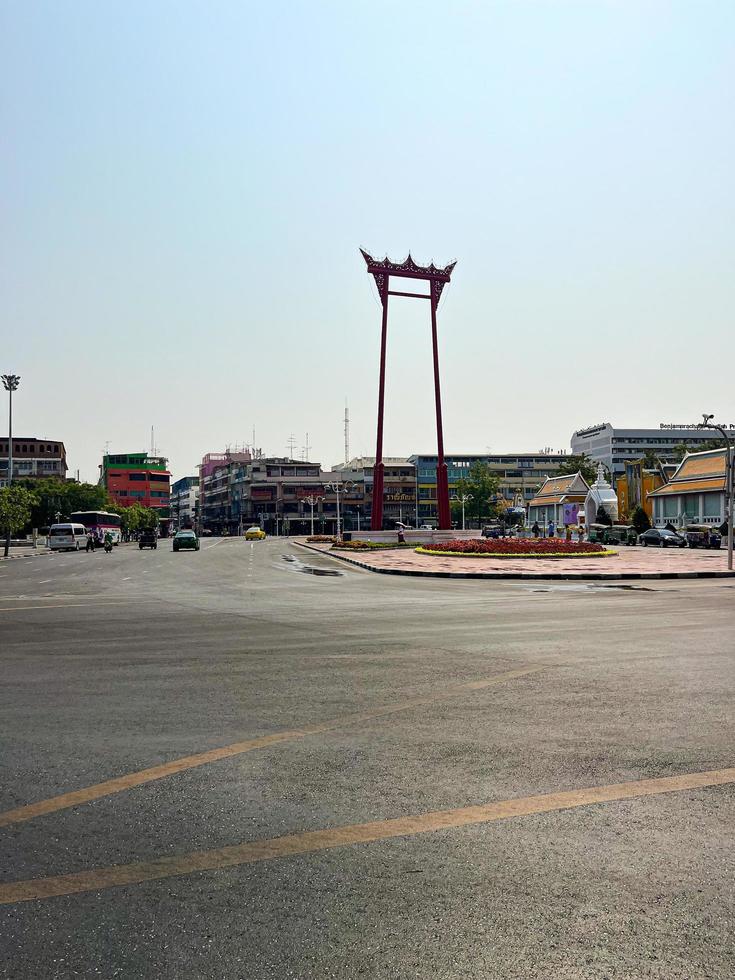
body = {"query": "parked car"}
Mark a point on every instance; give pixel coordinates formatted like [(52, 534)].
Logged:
[(185, 540), (620, 534), (702, 536), (147, 539), (662, 537), (493, 531), (254, 533)]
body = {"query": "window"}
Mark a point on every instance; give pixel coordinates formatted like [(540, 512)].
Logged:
[(711, 505), (136, 476), (670, 506), (137, 493)]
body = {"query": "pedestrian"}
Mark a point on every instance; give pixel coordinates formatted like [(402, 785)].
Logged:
[(90, 541), (551, 529), (568, 532), (401, 536), (536, 529)]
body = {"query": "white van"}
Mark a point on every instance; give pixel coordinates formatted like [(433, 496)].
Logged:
[(67, 537)]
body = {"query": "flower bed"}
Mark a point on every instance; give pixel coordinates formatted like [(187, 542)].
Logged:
[(321, 539), (368, 545), (516, 548)]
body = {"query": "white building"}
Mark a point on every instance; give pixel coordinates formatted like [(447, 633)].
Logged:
[(615, 447), (185, 502), (696, 492)]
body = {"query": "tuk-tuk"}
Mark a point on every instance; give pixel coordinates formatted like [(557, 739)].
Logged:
[(702, 536), (620, 534), (595, 532)]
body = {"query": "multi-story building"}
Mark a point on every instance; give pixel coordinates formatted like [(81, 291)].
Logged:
[(185, 502), (137, 478), (519, 474), (615, 447), (217, 473), (280, 494), (33, 458), (399, 490)]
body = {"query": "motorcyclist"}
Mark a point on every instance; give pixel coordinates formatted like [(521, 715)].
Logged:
[(108, 542)]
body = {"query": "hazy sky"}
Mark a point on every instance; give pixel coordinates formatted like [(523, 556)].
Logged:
[(185, 187)]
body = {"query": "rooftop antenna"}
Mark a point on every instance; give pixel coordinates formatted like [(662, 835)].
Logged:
[(107, 448), (306, 450), (153, 442), (290, 444), (347, 433)]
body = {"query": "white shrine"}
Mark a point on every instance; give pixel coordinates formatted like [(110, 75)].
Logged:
[(601, 494)]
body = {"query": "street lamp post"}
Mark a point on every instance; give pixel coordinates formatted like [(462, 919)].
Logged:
[(729, 480), (463, 499), (312, 501), (10, 383), (339, 487)]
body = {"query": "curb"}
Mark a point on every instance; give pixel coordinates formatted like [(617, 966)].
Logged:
[(558, 576), (34, 554)]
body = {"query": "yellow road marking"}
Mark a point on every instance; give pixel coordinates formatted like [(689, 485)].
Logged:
[(132, 779), (311, 841), (67, 605)]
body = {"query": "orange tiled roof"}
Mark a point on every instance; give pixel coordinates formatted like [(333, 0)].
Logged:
[(694, 466), (689, 486), (557, 498)]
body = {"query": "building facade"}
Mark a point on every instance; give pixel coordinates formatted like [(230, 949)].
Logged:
[(280, 494), (137, 478), (34, 459), (520, 475), (560, 499), (615, 447), (185, 502), (696, 492)]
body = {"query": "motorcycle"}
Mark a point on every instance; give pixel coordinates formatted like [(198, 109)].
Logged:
[(108, 547)]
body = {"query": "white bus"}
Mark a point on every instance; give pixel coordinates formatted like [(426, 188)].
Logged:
[(67, 537)]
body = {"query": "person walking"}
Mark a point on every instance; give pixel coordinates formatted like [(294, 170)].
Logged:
[(536, 530), (551, 529), (90, 541)]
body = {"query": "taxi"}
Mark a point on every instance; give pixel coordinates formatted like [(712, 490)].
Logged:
[(254, 533)]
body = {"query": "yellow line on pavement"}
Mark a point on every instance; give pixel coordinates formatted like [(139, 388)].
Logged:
[(69, 605), (312, 841), (132, 779)]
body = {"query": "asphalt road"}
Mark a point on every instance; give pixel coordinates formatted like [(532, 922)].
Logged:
[(365, 724)]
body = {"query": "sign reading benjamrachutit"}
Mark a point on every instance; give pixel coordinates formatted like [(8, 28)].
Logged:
[(692, 425)]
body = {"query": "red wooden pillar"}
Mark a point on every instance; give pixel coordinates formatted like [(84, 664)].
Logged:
[(376, 518), (444, 519)]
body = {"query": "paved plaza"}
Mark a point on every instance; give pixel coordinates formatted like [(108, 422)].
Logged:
[(627, 561), (257, 762)]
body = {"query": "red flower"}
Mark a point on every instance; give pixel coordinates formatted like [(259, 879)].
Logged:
[(517, 546)]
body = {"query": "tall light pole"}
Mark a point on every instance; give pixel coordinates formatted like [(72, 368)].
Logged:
[(707, 423), (10, 383), (463, 499), (312, 501), (339, 487)]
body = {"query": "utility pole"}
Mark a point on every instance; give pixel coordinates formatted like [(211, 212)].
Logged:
[(10, 383), (347, 433)]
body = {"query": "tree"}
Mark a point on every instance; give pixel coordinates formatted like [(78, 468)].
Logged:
[(640, 520), (16, 504), (579, 463), (54, 497), (482, 485), (602, 516)]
